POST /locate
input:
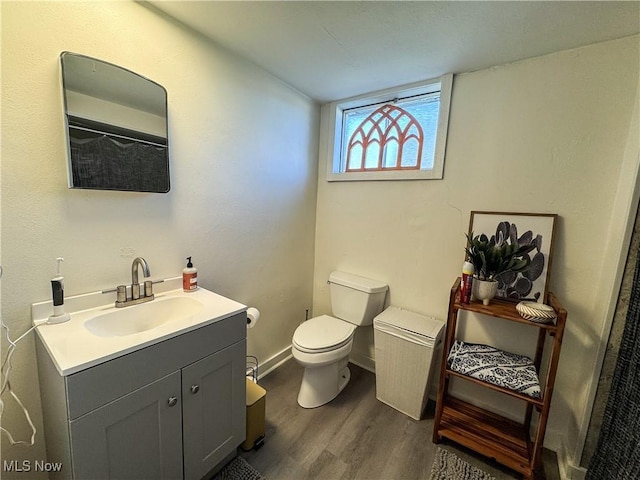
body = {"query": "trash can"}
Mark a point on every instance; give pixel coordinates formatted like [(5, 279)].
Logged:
[(405, 344), (256, 403)]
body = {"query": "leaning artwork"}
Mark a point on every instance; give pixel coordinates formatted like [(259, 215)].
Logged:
[(523, 228)]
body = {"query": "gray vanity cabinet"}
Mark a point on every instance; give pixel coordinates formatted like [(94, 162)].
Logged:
[(211, 433), (137, 436), (173, 410)]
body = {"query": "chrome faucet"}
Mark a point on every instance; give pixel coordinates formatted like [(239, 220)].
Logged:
[(135, 286), (122, 300)]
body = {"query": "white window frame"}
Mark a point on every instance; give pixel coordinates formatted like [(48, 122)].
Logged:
[(334, 112)]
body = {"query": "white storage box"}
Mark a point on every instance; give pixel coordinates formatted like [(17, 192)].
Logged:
[(405, 343)]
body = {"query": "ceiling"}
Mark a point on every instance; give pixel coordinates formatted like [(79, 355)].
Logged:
[(334, 50)]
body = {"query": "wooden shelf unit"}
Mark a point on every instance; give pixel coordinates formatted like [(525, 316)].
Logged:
[(486, 432)]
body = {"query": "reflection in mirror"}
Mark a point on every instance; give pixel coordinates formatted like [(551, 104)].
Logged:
[(116, 127)]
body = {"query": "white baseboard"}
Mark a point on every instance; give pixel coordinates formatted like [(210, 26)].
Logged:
[(274, 362), (568, 471), (363, 361), (571, 472)]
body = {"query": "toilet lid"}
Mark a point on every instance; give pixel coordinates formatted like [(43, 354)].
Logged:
[(323, 333)]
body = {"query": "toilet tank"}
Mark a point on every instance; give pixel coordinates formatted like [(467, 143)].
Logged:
[(356, 299)]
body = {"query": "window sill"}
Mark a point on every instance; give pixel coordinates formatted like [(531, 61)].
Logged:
[(378, 175)]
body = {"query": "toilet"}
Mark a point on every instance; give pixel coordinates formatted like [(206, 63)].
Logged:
[(322, 344)]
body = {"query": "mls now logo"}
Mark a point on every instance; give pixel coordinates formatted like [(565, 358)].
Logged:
[(29, 466)]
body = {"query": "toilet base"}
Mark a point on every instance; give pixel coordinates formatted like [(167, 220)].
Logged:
[(322, 384)]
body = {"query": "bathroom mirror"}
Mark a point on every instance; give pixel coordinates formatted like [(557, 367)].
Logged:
[(116, 122)]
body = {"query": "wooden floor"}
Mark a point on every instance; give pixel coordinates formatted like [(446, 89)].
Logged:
[(355, 436)]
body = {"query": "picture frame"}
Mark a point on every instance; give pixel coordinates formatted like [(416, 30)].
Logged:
[(531, 285)]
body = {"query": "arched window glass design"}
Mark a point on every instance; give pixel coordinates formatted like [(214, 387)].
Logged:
[(390, 138), (394, 134)]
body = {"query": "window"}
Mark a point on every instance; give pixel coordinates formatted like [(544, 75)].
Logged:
[(397, 134)]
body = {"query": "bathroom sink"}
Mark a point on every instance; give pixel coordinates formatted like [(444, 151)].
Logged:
[(98, 331), (140, 318)]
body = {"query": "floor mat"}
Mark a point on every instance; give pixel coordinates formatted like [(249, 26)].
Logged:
[(448, 466), (238, 469)]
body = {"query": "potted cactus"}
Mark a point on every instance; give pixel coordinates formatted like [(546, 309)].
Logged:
[(494, 257)]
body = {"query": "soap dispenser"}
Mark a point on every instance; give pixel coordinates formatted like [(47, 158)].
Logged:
[(57, 290), (190, 277)]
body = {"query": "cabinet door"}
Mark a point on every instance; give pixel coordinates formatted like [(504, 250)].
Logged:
[(138, 436), (214, 409)]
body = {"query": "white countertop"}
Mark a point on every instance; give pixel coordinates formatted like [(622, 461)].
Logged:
[(73, 348)]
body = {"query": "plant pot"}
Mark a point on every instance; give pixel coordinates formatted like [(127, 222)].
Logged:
[(484, 290)]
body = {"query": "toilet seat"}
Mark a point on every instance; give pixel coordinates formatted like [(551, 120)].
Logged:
[(323, 334)]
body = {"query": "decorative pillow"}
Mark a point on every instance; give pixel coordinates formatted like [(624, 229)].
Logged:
[(486, 363)]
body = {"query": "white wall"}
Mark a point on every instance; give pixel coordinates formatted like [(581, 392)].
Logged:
[(543, 135), (243, 179)]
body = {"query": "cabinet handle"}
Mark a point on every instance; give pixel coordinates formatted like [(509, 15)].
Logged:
[(195, 389), (172, 401)]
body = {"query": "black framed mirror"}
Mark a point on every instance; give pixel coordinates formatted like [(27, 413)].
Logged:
[(116, 123)]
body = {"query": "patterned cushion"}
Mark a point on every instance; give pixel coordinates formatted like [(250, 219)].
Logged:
[(498, 367)]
